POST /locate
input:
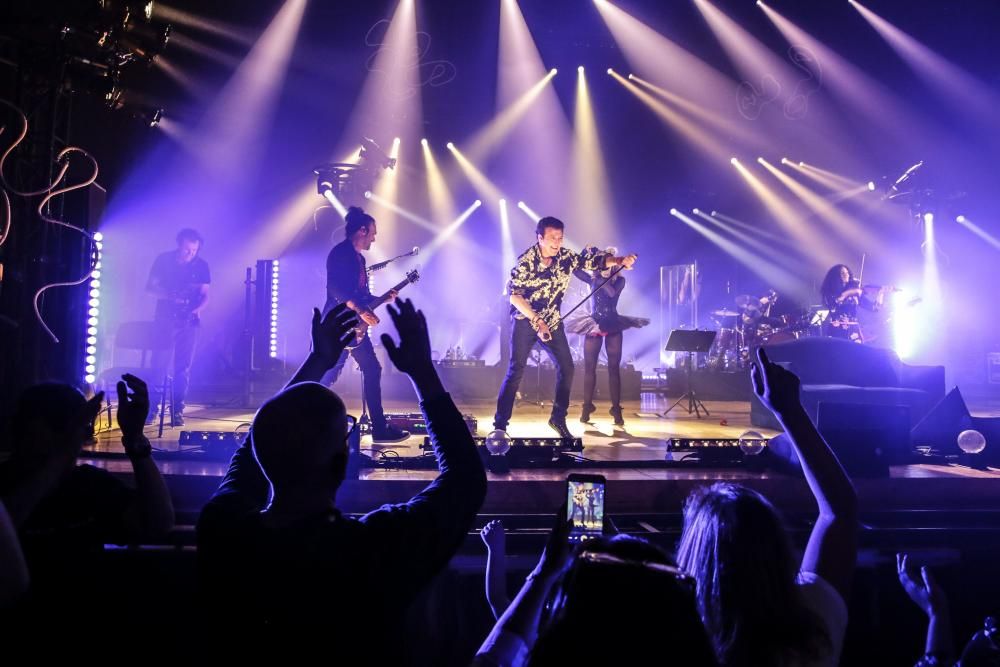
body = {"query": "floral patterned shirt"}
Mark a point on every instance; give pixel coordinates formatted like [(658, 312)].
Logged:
[(544, 286)]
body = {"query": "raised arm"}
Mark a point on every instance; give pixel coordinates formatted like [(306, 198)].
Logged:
[(151, 513), (430, 527), (833, 544), (931, 598)]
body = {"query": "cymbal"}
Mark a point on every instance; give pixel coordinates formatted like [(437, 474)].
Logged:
[(725, 313)]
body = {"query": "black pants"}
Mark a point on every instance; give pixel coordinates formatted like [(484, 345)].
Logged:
[(522, 339), (591, 351), (371, 371), (184, 338)]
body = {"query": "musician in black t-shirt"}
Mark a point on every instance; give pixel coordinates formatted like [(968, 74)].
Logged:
[(179, 280)]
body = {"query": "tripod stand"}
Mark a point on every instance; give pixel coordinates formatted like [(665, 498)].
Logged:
[(689, 341)]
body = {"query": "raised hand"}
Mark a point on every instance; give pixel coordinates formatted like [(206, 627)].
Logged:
[(494, 536), (412, 355), (776, 387), (627, 261), (132, 408), (333, 333), (922, 589), (558, 551)]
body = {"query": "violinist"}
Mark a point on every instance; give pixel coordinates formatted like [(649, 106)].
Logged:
[(842, 294)]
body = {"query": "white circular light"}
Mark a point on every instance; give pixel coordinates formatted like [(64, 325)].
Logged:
[(90, 359), (95, 273), (90, 368), (91, 349), (93, 312), (92, 322), (89, 379), (92, 330), (95, 303), (98, 236), (91, 340)]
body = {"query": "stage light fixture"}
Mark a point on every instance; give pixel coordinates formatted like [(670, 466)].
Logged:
[(423, 142), (673, 211), (733, 161), (611, 71), (960, 219), (871, 186), (553, 71), (696, 211), (368, 194), (479, 202), (450, 146)]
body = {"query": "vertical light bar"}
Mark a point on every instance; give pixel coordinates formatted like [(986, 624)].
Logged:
[(274, 310), (93, 312)]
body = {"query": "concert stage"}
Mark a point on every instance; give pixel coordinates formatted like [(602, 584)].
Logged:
[(639, 482)]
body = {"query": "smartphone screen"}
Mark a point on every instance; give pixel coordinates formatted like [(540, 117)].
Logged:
[(585, 505)]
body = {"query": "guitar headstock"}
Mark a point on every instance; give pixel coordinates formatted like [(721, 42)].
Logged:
[(412, 276)]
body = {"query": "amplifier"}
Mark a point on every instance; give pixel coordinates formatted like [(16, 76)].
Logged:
[(415, 423)]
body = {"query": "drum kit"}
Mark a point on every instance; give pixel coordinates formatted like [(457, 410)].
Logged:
[(750, 324)]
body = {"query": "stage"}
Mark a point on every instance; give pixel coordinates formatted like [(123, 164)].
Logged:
[(632, 459)]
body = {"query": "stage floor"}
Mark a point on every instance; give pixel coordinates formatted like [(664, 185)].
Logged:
[(643, 438), (633, 486)]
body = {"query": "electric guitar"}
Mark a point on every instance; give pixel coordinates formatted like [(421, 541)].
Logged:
[(361, 330)]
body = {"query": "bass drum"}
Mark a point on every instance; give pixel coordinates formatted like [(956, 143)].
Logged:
[(779, 336)]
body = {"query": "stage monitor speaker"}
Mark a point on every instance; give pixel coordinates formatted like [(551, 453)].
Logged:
[(940, 428), (866, 438)]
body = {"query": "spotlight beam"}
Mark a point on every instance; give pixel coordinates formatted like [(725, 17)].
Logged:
[(443, 235), (717, 120), (821, 253), (955, 82), (662, 60), (482, 144), (847, 226), (978, 231), (442, 203), (483, 185), (773, 275), (590, 200), (674, 120), (763, 249), (753, 229), (528, 211)]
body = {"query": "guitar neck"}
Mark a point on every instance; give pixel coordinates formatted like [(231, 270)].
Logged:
[(385, 297)]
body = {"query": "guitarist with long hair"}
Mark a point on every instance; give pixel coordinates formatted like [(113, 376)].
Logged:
[(347, 282)]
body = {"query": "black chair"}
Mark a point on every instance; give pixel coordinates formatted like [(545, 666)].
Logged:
[(148, 339)]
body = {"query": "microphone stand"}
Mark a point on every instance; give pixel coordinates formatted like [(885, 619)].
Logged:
[(382, 265)]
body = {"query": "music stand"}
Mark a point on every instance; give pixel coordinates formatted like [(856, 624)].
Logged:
[(690, 341)]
